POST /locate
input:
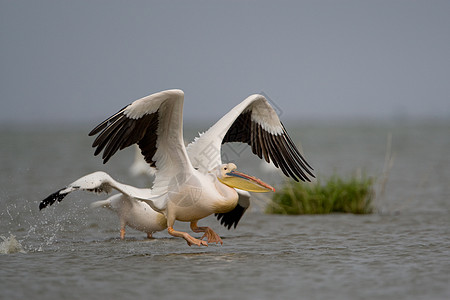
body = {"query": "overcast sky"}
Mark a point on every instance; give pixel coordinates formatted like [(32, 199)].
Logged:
[(81, 61)]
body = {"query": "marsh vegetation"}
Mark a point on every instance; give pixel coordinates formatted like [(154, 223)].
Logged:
[(336, 195)]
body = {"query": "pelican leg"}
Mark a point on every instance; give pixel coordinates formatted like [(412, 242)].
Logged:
[(123, 224), (189, 239), (210, 235), (149, 235)]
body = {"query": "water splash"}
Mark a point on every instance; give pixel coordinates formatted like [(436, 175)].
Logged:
[(10, 245)]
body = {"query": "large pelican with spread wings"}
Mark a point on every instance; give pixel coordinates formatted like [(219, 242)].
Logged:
[(192, 182)]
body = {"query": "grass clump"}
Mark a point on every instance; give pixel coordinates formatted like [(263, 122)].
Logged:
[(335, 196)]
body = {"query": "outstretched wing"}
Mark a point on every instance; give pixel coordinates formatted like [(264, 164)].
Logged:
[(255, 123), (155, 123), (96, 182)]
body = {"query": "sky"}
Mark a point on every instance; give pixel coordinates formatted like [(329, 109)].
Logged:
[(71, 62)]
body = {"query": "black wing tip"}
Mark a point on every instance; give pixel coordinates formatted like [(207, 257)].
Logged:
[(120, 131), (306, 178), (225, 221), (105, 159), (57, 196), (231, 218)]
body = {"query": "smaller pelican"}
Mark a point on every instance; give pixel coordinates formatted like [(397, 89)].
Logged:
[(131, 212)]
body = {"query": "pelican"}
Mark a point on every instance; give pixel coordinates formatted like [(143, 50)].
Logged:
[(131, 212), (192, 182)]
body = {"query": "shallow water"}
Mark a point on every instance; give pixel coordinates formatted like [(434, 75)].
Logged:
[(73, 252)]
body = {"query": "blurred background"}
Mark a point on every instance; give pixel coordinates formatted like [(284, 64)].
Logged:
[(71, 62)]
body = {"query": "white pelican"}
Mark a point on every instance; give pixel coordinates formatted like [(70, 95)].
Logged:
[(192, 183), (131, 212)]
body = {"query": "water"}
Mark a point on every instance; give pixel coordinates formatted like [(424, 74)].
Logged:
[(69, 251)]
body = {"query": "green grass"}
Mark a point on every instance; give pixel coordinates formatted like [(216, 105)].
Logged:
[(337, 195)]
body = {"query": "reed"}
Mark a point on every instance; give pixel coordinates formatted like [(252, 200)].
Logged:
[(336, 195)]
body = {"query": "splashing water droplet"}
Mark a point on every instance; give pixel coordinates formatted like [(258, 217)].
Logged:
[(10, 245)]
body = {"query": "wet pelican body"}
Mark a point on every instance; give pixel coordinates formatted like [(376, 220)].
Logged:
[(135, 214)]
